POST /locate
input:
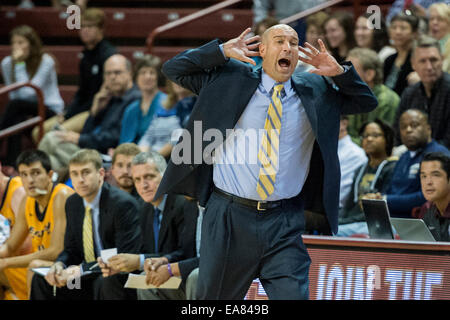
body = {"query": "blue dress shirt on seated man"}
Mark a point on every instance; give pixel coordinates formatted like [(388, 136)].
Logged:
[(247, 234)]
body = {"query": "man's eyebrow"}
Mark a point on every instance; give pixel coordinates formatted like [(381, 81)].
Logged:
[(281, 36)]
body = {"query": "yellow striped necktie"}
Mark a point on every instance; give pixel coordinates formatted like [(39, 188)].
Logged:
[(269, 149), (88, 239)]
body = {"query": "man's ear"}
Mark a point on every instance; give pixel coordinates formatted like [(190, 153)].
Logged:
[(262, 50)]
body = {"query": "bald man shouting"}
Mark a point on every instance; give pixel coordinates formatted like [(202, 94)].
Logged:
[(254, 219)]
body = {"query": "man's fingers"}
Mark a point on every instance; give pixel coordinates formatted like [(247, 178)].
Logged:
[(252, 39), (243, 34), (312, 48), (306, 52), (253, 46), (322, 46), (308, 61)]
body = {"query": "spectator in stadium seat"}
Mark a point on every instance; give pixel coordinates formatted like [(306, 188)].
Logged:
[(162, 133), (397, 67), (27, 62), (315, 27), (102, 128), (121, 167), (339, 32), (373, 176), (373, 37), (351, 157), (432, 93), (370, 69), (168, 229), (439, 23), (96, 51), (417, 7), (435, 182), (404, 192), (139, 114)]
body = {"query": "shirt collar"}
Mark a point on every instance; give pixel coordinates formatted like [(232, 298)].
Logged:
[(95, 204), (162, 204), (267, 82), (446, 214)]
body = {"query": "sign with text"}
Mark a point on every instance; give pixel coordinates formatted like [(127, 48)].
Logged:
[(346, 273)]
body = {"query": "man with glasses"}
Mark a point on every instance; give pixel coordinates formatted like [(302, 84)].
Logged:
[(102, 128), (90, 78)]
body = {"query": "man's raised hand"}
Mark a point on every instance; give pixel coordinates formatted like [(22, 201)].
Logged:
[(242, 49), (323, 62)]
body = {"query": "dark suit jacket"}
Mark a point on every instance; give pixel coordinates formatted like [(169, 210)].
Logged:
[(102, 131), (119, 225), (224, 88), (176, 239)]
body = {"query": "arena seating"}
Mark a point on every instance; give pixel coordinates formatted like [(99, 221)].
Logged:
[(128, 25)]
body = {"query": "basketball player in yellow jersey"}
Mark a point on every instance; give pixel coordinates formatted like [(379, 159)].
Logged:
[(12, 281), (41, 214)]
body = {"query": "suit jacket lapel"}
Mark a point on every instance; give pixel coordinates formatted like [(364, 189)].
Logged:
[(306, 93), (163, 229), (103, 210)]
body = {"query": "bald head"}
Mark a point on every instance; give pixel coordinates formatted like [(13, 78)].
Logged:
[(266, 35), (117, 74)]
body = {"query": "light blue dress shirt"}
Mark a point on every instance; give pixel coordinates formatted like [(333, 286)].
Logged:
[(236, 168)]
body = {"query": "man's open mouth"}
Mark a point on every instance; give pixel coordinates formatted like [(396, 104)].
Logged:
[(284, 63)]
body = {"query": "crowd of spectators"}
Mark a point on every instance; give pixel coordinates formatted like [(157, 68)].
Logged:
[(128, 115)]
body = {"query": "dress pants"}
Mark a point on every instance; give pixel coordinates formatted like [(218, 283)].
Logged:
[(89, 289), (240, 244)]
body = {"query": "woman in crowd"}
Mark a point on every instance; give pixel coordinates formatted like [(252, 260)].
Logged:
[(339, 33), (439, 28), (374, 176), (139, 114), (397, 67), (372, 37), (315, 29), (173, 114), (439, 23), (27, 62)]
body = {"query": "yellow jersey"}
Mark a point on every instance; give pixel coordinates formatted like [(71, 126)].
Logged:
[(5, 207), (40, 225)]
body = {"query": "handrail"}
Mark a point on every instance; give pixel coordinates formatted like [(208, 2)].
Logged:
[(189, 18), (310, 11), (38, 120)]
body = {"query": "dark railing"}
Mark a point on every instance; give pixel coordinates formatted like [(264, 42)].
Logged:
[(187, 19), (207, 11), (38, 120)]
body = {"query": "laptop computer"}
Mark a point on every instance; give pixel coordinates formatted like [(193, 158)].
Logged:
[(377, 218), (412, 229), (382, 226)]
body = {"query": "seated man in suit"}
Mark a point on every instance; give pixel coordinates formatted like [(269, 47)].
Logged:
[(41, 215), (121, 167), (99, 216), (101, 130), (166, 236)]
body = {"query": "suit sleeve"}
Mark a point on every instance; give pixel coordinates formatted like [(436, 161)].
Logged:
[(127, 227), (71, 255), (193, 68), (356, 96)]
